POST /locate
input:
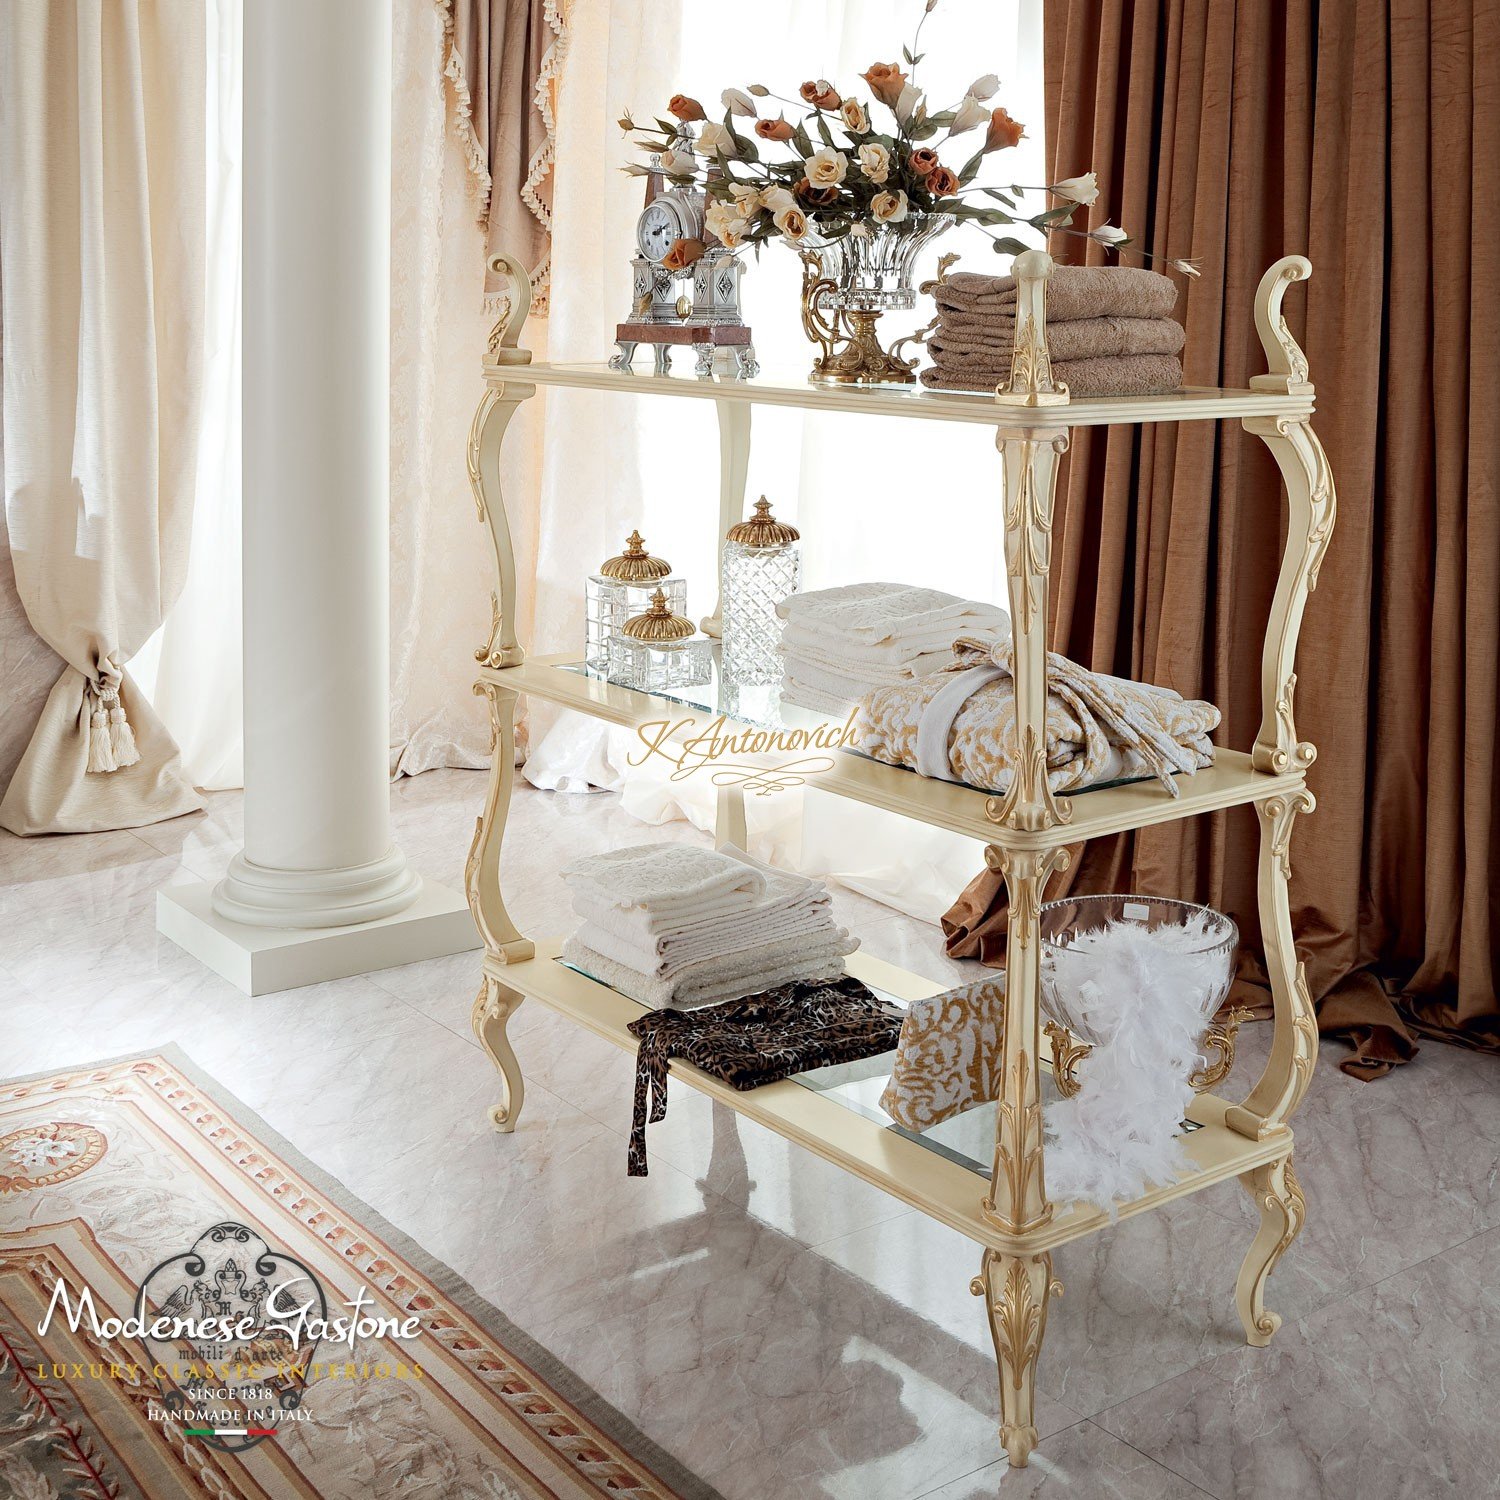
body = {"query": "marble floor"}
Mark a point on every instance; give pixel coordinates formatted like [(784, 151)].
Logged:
[(780, 1327)]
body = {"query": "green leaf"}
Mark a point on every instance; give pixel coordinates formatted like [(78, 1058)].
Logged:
[(1007, 246), (1004, 198), (908, 58), (802, 141), (824, 131)]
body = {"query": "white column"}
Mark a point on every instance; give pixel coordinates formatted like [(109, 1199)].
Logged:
[(319, 885)]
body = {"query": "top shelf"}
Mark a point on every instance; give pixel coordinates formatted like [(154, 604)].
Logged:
[(1190, 404)]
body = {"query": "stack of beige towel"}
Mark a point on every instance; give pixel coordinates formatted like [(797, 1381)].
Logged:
[(1110, 331), (839, 644), (672, 925)]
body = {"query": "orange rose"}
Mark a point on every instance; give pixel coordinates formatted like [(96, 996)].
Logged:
[(816, 197), (774, 130), (820, 94), (682, 254), (923, 160), (685, 108), (886, 81), (940, 182), (1003, 130)]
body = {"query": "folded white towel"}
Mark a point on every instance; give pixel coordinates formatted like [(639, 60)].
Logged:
[(802, 696), (706, 984), (849, 664), (791, 907), (885, 623), (672, 883), (752, 945)]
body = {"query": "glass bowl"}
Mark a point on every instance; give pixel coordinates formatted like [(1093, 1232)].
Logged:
[(1184, 927)]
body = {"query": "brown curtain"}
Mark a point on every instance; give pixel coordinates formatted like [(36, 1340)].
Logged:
[(503, 61), (1365, 134)]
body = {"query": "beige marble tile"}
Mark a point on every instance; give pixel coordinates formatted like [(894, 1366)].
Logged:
[(1082, 1460), (823, 1387), (1388, 1394), (1142, 1301)]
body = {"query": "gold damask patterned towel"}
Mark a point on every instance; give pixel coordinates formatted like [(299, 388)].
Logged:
[(949, 1056), (959, 724)]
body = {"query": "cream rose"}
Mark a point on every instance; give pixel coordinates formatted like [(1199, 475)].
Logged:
[(854, 116), (908, 104), (747, 198), (677, 163), (737, 102), (776, 199), (826, 168), (888, 208), (792, 223), (1108, 234), (726, 224), (875, 161), (1077, 189), (968, 116), (984, 87), (714, 140)]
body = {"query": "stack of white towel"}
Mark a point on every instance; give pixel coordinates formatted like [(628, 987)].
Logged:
[(672, 925), (839, 644)]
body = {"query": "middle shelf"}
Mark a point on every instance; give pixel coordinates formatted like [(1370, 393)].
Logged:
[(1230, 782)]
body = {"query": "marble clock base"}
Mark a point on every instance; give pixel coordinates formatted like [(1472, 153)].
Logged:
[(706, 339)]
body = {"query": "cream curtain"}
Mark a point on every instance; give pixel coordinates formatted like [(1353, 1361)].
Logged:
[(561, 506), (101, 265), (191, 668)]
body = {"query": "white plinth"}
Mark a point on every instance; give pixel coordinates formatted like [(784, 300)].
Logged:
[(259, 960)]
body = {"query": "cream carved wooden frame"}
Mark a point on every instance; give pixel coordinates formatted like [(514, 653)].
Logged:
[(1025, 830)]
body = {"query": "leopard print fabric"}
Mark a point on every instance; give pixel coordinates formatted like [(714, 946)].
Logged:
[(949, 1056), (757, 1040)]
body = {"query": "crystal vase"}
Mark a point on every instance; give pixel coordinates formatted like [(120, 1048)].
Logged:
[(848, 282)]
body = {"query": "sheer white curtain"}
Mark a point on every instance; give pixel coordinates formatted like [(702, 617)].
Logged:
[(873, 499), (190, 669)]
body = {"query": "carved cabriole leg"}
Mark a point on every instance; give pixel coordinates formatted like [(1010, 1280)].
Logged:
[(493, 1008), (502, 939), (1016, 1290), (1278, 1196), (497, 406), (1029, 459), (1017, 1199), (1311, 508), (1294, 1047), (734, 469)]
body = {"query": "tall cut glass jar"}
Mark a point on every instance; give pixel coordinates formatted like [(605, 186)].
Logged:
[(762, 566)]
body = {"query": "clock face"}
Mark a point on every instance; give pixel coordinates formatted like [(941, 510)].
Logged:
[(657, 228)]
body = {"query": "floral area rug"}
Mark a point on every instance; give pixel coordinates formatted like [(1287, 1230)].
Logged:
[(187, 1308)]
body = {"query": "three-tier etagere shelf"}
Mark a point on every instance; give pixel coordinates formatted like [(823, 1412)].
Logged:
[(1006, 1210)]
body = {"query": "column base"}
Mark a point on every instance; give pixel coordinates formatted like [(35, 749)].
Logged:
[(260, 896), (260, 960)]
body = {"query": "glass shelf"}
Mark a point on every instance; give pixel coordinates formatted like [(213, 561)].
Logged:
[(967, 1139)]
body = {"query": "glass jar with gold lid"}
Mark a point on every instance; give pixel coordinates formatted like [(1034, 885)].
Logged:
[(762, 566), (621, 588), (659, 650)]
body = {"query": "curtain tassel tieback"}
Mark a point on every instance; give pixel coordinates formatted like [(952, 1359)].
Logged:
[(111, 742)]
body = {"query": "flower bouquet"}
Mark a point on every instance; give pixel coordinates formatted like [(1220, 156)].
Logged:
[(859, 187)]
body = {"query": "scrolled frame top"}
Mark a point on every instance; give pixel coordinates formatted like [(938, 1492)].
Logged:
[(505, 336)]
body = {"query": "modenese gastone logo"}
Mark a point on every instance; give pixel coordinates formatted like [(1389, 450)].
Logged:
[(234, 1329)]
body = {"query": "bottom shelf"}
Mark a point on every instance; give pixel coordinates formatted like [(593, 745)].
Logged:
[(831, 1112)]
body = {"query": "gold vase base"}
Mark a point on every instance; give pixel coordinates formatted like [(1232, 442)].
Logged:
[(1217, 1044), (860, 360)]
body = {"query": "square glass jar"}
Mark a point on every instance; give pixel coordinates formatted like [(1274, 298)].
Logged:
[(608, 603), (660, 666)]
